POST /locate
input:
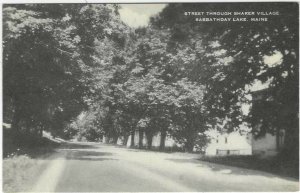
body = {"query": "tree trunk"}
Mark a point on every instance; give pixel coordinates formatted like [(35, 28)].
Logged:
[(163, 135), (115, 139), (40, 132), (149, 136), (141, 136), (132, 139), (125, 140), (291, 142), (189, 145), (15, 122), (277, 139), (190, 140)]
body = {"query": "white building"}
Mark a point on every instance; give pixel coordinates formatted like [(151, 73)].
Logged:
[(228, 144)]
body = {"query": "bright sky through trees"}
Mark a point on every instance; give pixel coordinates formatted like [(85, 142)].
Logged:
[(138, 15)]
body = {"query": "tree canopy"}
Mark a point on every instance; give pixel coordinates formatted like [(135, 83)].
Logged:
[(79, 70)]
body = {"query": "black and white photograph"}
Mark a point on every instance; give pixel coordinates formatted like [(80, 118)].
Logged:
[(150, 97)]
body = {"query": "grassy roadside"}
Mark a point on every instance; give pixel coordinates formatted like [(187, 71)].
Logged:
[(23, 163), (20, 172)]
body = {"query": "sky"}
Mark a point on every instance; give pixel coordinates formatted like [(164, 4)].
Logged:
[(271, 61), (138, 15)]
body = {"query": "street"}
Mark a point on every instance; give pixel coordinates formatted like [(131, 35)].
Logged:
[(94, 167)]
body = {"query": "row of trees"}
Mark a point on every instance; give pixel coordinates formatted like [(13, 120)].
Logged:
[(48, 59), (146, 87), (174, 76)]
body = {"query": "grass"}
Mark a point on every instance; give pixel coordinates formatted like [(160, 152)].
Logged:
[(24, 160), (20, 172)]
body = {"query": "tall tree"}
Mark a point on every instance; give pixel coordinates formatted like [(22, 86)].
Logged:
[(236, 57), (48, 59)]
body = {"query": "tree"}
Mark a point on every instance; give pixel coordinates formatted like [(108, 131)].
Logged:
[(235, 59), (37, 71), (48, 59), (156, 92)]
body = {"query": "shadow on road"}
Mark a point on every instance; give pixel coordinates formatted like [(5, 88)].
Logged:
[(151, 150), (229, 170), (77, 151), (68, 145), (88, 155)]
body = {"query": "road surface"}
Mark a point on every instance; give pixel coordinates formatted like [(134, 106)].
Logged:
[(91, 167)]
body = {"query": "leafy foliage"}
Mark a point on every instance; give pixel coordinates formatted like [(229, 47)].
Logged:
[(48, 54), (236, 57), (78, 70)]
